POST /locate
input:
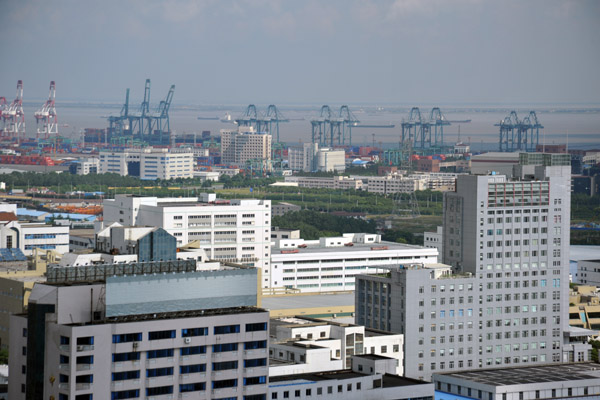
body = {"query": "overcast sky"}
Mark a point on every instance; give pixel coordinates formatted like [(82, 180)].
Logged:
[(293, 52)]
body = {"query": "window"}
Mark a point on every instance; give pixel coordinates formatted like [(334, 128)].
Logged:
[(127, 337), (187, 351), (258, 344), (255, 380), (255, 362), (194, 332), (159, 353), (120, 357), (191, 369), (192, 387), (157, 335), (260, 326), (219, 348), (225, 365), (157, 391), (227, 383), (152, 373), (226, 329), (125, 394)]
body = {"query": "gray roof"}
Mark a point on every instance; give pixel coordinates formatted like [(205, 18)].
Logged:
[(355, 247), (527, 375), (308, 301)]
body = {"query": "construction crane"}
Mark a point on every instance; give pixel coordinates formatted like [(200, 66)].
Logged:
[(46, 118), (517, 135), (14, 117)]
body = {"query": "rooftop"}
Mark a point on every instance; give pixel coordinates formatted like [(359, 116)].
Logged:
[(374, 247), (177, 315), (309, 301), (534, 374), (388, 380)]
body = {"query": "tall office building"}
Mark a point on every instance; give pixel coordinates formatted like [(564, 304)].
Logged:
[(244, 144), (228, 230), (503, 301), (149, 330)]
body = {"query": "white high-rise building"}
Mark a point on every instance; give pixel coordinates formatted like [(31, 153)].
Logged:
[(504, 300), (244, 144), (228, 230)]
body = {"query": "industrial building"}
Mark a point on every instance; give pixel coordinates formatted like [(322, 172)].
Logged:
[(116, 331), (332, 263), (148, 163), (228, 230), (28, 236), (561, 381)]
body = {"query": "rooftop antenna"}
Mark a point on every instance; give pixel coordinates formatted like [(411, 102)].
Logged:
[(458, 133), (567, 141)]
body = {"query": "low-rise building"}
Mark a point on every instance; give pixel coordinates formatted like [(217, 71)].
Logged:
[(278, 233), (559, 381), (334, 182), (28, 236), (281, 208), (331, 160), (331, 263), (371, 378), (293, 338), (588, 272), (149, 163)]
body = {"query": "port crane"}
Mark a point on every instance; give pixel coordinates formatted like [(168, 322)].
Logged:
[(46, 118), (267, 122), (519, 135), (422, 131), (13, 117), (329, 129)]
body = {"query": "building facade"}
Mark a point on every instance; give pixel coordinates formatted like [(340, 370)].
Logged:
[(506, 304), (84, 340), (332, 263), (244, 144), (228, 230), (149, 163)]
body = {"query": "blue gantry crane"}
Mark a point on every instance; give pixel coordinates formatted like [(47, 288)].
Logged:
[(142, 124), (329, 129), (418, 129), (267, 122), (519, 135)]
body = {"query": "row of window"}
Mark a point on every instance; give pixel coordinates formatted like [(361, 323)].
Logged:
[(190, 350), (188, 332)]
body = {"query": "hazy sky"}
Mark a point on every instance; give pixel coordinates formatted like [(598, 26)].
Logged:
[(291, 52)]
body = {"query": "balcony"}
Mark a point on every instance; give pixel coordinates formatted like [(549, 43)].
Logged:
[(63, 386), (85, 347), (64, 367), (84, 367), (83, 386)]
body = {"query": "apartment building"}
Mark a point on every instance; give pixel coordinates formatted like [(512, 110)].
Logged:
[(244, 144), (332, 263), (149, 163), (228, 230), (164, 331)]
